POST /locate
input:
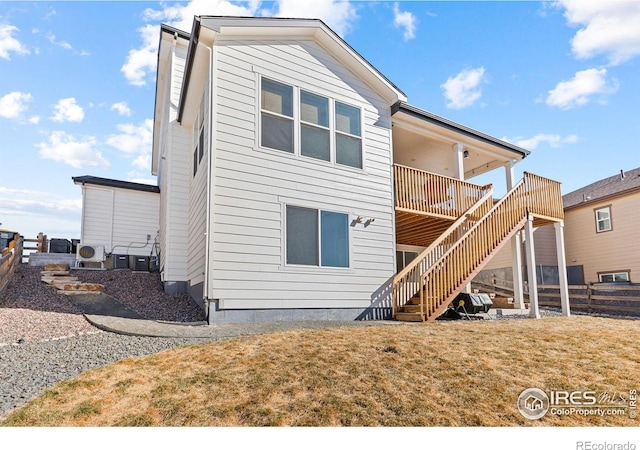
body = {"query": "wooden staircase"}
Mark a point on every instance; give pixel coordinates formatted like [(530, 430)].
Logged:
[(423, 290)]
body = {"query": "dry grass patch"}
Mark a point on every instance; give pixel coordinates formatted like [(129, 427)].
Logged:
[(442, 374)]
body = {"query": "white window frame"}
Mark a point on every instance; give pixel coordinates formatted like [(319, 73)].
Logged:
[(626, 274), (319, 266), (598, 221), (297, 125)]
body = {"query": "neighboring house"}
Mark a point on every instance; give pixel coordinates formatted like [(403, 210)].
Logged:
[(603, 237), (120, 215), (296, 182)]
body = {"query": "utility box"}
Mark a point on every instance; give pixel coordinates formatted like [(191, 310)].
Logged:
[(141, 264), (5, 238), (59, 246), (120, 261)]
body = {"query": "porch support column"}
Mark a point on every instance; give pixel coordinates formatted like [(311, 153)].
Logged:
[(458, 161), (534, 310), (562, 269), (516, 246)]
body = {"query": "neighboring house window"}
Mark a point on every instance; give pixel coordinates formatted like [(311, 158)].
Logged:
[(277, 115), (195, 161), (603, 219), (316, 238), (613, 277), (303, 123), (199, 135)]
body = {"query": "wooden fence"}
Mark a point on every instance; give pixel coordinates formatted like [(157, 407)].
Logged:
[(594, 298), (11, 257), (39, 244)]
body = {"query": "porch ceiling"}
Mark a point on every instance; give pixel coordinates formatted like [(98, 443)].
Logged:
[(419, 229)]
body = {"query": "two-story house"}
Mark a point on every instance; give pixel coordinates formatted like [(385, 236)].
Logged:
[(296, 182)]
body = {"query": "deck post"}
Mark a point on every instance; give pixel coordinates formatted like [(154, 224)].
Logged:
[(562, 269), (516, 246), (458, 161), (534, 310)]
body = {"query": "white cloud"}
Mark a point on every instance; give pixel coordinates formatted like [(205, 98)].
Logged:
[(141, 62), (122, 108), (8, 43), (406, 20), (14, 104), (552, 140), (64, 44), (67, 110), (34, 120), (581, 89), (76, 152), (338, 15), (133, 138), (463, 90), (607, 28)]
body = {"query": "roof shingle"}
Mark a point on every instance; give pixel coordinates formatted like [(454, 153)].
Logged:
[(617, 184)]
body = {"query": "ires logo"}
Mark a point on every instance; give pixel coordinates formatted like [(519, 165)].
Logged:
[(534, 403), (575, 398)]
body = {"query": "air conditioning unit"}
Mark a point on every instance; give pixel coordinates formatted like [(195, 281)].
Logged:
[(90, 253)]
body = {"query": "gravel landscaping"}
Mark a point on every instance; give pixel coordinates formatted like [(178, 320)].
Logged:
[(45, 339)]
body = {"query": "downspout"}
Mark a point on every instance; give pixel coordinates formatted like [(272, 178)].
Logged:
[(205, 290)]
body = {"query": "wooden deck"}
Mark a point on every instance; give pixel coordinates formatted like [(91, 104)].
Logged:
[(462, 227)]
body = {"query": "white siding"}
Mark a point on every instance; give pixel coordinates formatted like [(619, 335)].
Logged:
[(198, 201), (174, 178), (120, 219), (252, 186)]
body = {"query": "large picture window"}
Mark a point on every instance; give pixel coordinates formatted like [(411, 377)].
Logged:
[(316, 238), (308, 124)]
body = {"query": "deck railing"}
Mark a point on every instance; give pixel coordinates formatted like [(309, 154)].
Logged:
[(438, 283), (432, 194)]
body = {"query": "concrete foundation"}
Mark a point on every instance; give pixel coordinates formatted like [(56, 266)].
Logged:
[(42, 259), (176, 287), (218, 316)]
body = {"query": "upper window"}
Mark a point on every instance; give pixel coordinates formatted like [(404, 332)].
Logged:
[(317, 238), (277, 115), (603, 219), (301, 122), (613, 277)]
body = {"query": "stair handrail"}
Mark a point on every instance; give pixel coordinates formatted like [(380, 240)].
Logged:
[(423, 258)]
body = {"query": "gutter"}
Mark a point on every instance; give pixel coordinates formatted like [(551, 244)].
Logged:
[(450, 125), (191, 54)]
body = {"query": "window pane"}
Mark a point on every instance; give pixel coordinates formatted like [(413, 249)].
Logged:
[(195, 161), (277, 132), (314, 109), (315, 142), (347, 119), (334, 239), (604, 225), (277, 97), (606, 278), (399, 261), (302, 236), (623, 276), (348, 151)]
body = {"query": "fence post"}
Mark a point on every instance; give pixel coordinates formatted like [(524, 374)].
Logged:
[(589, 294)]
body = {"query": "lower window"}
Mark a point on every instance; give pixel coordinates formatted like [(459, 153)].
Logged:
[(403, 259), (317, 238), (613, 277)]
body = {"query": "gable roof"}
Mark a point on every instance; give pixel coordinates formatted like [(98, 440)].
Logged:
[(621, 184), (290, 27), (116, 184)]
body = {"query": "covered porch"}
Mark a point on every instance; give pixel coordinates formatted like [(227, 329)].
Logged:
[(437, 205)]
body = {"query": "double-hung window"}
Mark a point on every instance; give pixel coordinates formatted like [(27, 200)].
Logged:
[(348, 135), (316, 237), (277, 115), (308, 124), (603, 219)]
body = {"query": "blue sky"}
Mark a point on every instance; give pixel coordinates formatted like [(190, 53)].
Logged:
[(77, 85)]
